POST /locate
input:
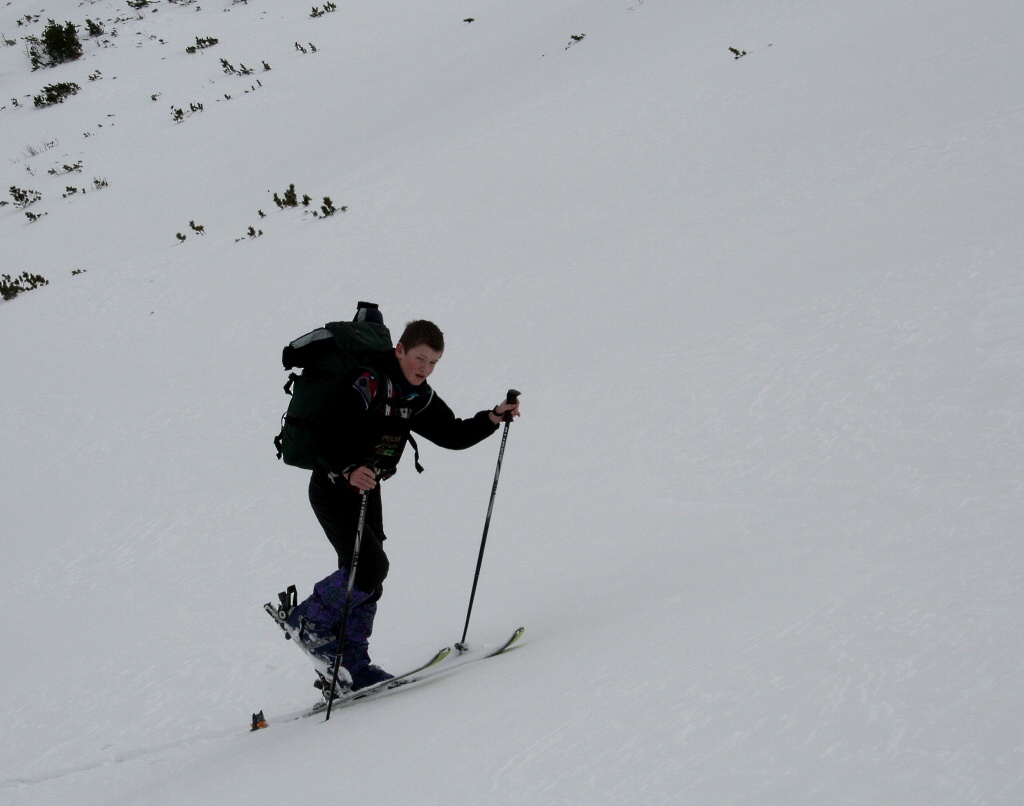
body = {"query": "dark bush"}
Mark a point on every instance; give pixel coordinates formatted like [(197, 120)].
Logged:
[(59, 44), (56, 94), (9, 288)]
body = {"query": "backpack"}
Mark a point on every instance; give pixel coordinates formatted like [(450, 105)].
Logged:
[(328, 357)]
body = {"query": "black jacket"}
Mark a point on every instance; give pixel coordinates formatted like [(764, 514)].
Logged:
[(374, 415)]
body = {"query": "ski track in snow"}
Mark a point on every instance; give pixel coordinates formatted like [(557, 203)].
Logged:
[(138, 754)]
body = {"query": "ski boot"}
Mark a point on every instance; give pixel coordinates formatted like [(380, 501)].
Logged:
[(318, 643)]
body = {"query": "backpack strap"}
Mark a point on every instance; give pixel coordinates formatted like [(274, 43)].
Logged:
[(378, 390), (415, 453), (368, 387)]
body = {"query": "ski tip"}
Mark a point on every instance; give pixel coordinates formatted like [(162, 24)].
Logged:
[(258, 721), (463, 648), (515, 637)]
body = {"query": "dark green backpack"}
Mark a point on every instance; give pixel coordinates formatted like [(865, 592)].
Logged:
[(328, 357)]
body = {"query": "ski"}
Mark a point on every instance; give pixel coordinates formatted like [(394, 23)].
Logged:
[(516, 635), (435, 667), (385, 685), (348, 696), (467, 654), (464, 658)]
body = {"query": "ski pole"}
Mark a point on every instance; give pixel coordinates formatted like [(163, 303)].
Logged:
[(343, 629), (511, 397)]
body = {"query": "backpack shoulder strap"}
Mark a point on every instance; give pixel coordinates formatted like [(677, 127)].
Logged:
[(374, 386)]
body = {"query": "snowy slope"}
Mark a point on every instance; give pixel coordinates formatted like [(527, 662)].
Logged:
[(761, 514)]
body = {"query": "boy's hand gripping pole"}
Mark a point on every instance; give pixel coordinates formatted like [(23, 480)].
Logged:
[(511, 397)]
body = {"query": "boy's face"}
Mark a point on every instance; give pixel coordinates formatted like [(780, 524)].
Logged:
[(417, 363)]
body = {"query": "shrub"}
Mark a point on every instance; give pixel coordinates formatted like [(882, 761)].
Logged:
[(329, 7), (290, 198), (178, 114), (25, 198), (202, 43), (9, 288), (56, 94), (67, 169), (59, 44), (328, 209)]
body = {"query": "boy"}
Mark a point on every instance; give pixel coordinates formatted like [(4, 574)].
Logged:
[(361, 440)]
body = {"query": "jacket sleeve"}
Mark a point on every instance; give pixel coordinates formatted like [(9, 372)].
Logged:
[(439, 424)]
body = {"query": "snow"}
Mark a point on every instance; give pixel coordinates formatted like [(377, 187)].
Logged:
[(761, 515)]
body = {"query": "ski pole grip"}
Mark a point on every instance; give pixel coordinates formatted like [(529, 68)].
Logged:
[(511, 397)]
